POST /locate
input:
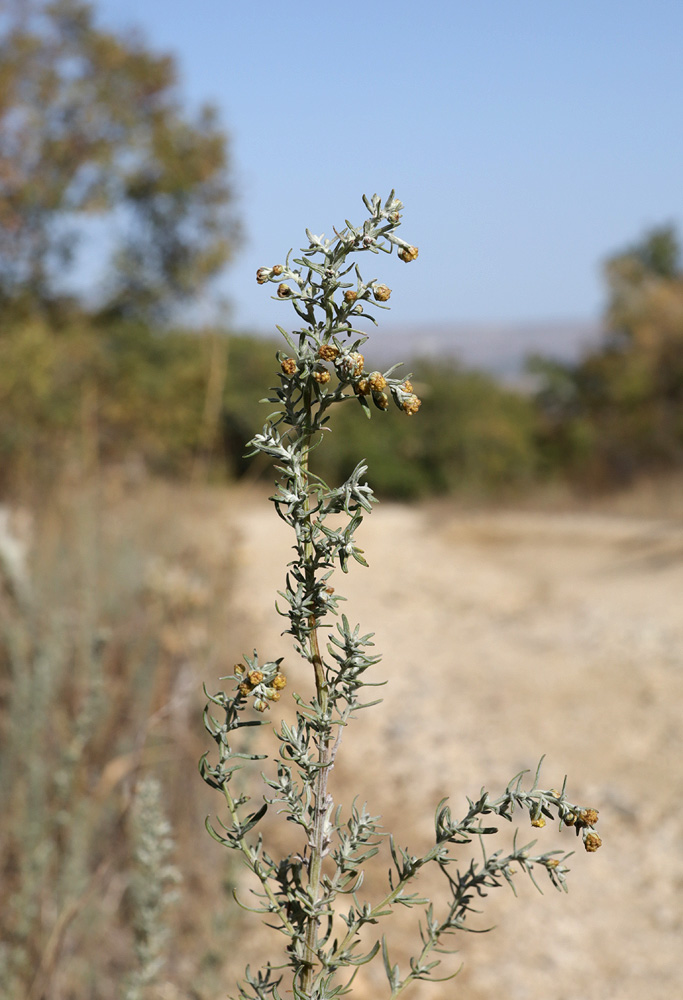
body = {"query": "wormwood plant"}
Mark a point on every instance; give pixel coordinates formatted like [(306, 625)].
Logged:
[(314, 896)]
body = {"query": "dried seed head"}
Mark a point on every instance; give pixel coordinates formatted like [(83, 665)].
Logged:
[(322, 377), (407, 254), (350, 296), (283, 291), (254, 677), (381, 292), (262, 275), (592, 842), (288, 366), (377, 381), (411, 405), (328, 352)]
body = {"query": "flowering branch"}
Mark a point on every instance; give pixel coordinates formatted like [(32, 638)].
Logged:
[(323, 367)]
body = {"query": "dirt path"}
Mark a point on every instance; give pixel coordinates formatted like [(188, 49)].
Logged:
[(505, 637)]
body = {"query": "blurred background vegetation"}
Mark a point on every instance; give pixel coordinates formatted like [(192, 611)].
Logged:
[(108, 612), (94, 133)]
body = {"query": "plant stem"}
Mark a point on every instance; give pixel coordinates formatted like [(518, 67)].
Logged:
[(314, 646), (317, 844)]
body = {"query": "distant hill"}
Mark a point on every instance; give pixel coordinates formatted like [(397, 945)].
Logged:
[(500, 349)]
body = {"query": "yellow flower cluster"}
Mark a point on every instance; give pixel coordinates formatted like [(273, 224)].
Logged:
[(381, 292), (592, 842), (328, 352), (411, 405), (407, 254), (270, 691)]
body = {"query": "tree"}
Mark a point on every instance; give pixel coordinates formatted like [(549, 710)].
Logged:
[(91, 125), (618, 412)]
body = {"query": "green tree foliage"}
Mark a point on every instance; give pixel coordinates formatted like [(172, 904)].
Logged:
[(619, 412), (143, 392), (91, 125), (148, 395)]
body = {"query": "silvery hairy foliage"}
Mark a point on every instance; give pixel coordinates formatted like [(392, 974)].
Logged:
[(315, 897)]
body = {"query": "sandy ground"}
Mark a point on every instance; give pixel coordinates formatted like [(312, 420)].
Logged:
[(507, 636)]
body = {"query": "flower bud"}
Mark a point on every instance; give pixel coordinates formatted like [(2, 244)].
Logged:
[(350, 296), (262, 275), (381, 400), (277, 270), (407, 254), (592, 842), (411, 405), (350, 365), (328, 352), (381, 292), (283, 291)]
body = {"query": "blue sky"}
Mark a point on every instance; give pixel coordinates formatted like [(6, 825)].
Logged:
[(527, 139)]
